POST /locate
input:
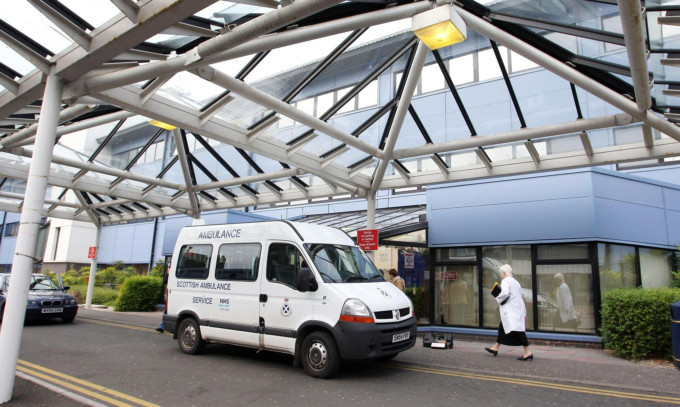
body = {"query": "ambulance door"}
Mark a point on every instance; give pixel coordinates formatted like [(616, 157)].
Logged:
[(282, 307), (235, 309)]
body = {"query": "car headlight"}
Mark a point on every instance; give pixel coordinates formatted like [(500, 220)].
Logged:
[(354, 310), (32, 302)]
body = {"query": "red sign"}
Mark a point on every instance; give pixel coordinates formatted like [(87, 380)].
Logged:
[(92, 253), (367, 239)]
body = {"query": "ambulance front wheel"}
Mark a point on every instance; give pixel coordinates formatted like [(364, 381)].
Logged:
[(320, 357), (189, 337)]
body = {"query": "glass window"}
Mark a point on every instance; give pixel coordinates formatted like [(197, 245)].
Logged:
[(412, 264), (656, 266), (323, 103), (194, 261), (285, 121), (456, 295), (488, 65), (577, 251), (306, 106), (238, 262), (618, 267), (519, 63), (11, 229), (349, 106), (431, 78), (283, 263), (519, 258), (462, 69), (612, 24), (565, 300), (368, 96), (457, 254)]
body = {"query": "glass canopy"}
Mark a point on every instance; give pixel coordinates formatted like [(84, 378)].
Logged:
[(286, 102)]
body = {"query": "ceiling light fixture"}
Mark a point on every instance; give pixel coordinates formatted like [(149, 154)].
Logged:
[(162, 125), (439, 27)]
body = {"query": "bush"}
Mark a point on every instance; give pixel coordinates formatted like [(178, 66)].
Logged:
[(100, 295), (635, 322), (421, 304), (139, 294)]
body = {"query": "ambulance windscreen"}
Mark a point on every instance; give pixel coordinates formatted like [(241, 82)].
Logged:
[(343, 264)]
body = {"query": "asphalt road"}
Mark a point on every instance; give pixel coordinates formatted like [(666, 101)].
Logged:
[(118, 359)]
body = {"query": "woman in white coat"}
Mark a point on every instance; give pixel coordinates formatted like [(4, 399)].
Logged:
[(511, 331)]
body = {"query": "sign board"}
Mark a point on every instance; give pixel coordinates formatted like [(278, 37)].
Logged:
[(409, 260), (446, 275), (92, 253), (367, 239)]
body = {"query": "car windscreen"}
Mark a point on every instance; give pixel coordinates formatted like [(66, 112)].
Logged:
[(39, 283), (343, 264)]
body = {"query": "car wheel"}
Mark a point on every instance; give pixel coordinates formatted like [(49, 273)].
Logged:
[(2, 311), (320, 356), (68, 320), (189, 337)]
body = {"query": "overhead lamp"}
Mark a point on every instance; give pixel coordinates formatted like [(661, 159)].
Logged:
[(162, 125), (439, 27)]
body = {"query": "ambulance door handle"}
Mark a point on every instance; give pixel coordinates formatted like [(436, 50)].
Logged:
[(263, 297)]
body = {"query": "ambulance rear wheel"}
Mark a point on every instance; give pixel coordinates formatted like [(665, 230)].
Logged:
[(189, 337), (320, 356)]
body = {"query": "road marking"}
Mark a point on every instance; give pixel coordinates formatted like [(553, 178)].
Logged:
[(501, 379), (55, 377), (117, 324), (547, 385)]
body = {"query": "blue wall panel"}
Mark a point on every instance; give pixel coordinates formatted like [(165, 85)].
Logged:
[(630, 222), (141, 243), (584, 204), (7, 250)]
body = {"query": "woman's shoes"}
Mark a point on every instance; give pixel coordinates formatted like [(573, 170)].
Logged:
[(491, 351), (523, 358)]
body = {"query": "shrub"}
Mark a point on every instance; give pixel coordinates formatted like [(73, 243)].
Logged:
[(100, 295), (421, 304), (635, 322), (139, 294)]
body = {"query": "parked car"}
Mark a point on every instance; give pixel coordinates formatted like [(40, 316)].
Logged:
[(46, 299)]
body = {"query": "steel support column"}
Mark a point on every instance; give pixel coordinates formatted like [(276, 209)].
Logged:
[(29, 228), (400, 113)]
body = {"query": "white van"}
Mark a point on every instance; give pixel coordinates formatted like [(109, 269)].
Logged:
[(297, 288)]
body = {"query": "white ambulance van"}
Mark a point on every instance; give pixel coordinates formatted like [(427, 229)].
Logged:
[(297, 288)]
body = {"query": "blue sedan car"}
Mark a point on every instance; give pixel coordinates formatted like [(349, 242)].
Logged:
[(46, 300)]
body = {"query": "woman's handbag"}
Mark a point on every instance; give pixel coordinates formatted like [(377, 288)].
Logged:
[(496, 290)]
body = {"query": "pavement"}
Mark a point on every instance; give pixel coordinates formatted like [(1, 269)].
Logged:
[(578, 365)]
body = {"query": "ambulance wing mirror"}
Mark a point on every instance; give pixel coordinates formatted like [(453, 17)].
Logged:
[(306, 280)]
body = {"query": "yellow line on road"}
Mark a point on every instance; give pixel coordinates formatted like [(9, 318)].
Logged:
[(117, 324), (49, 375), (547, 385)]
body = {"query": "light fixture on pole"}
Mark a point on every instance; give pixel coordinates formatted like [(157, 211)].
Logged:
[(439, 27)]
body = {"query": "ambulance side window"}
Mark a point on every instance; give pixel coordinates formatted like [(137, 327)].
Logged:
[(238, 262), (194, 261), (283, 263)]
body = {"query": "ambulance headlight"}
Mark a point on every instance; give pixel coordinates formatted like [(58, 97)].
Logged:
[(354, 310)]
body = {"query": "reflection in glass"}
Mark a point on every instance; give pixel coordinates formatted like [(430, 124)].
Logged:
[(565, 301), (655, 267), (456, 295), (617, 267), (519, 258)]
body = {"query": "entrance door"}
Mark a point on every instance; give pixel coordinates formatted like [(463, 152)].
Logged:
[(282, 307)]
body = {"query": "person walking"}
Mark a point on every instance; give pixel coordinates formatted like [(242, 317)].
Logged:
[(511, 331), (397, 280)]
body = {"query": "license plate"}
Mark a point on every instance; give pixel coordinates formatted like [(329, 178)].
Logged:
[(51, 310), (401, 336)]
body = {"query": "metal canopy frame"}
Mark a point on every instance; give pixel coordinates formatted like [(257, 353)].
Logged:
[(99, 69), (112, 77)]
